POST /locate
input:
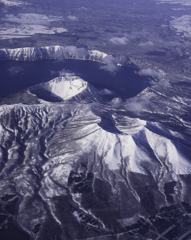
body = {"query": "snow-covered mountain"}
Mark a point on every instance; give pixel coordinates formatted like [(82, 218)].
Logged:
[(62, 88), (91, 169), (51, 52)]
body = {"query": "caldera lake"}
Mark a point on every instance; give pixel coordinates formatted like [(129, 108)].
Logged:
[(19, 75)]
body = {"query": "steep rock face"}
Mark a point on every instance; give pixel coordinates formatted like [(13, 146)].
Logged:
[(51, 52)]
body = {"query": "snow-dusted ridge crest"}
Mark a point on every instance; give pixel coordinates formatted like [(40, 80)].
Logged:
[(51, 52)]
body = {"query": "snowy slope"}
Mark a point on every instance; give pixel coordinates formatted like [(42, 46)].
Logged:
[(51, 52), (61, 155), (63, 87), (90, 166)]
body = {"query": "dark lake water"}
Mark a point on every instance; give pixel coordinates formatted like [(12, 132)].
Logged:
[(16, 76)]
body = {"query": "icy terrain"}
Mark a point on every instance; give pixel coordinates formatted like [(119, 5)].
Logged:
[(101, 148), (92, 169), (51, 52), (63, 87)]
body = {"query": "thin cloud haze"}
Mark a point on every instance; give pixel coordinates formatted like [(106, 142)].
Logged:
[(146, 44), (137, 105), (119, 41), (80, 52), (110, 64), (150, 72), (72, 18)]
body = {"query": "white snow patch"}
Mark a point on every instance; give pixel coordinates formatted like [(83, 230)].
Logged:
[(12, 3), (179, 163), (50, 189), (182, 25), (128, 221), (134, 155), (95, 54), (112, 148), (61, 173), (26, 25), (77, 216), (183, 2), (129, 125), (157, 143), (65, 87), (109, 149), (165, 149), (23, 31)]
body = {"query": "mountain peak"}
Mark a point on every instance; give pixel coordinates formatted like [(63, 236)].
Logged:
[(62, 88)]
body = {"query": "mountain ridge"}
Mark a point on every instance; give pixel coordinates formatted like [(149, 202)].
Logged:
[(51, 52)]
